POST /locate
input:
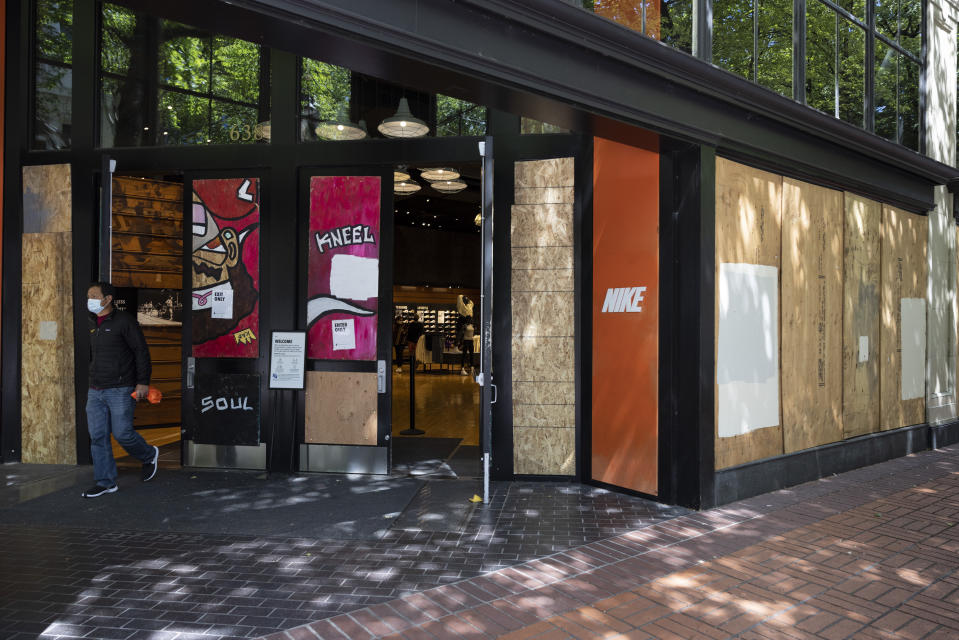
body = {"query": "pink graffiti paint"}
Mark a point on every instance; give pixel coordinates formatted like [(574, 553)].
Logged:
[(344, 221)]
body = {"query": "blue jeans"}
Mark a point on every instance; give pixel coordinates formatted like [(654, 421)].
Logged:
[(112, 410)]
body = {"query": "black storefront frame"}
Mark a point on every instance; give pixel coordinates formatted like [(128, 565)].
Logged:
[(284, 157)]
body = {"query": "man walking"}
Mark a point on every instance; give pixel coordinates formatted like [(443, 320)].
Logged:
[(119, 369)]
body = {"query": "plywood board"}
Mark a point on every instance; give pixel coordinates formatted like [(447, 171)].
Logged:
[(541, 234), (545, 195), (147, 279), (812, 290), (748, 231), (543, 314), (542, 225), (903, 276), (48, 419), (142, 207), (48, 423), (148, 188), (47, 199), (340, 408), (553, 172), (529, 280), (544, 451), (147, 242), (147, 225), (861, 313)]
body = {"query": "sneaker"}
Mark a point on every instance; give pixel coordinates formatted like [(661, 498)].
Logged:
[(150, 468), (97, 490)]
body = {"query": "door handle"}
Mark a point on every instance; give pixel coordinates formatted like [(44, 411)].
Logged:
[(495, 394), (190, 371)]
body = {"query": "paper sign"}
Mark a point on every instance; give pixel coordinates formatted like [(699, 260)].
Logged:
[(354, 277), (863, 348), (47, 330), (344, 334), (287, 359), (747, 364), (440, 317), (222, 304), (913, 345)]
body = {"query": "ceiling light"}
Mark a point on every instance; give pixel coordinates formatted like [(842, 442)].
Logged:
[(400, 176), (405, 188), (478, 220), (449, 186), (341, 128), (403, 124), (439, 174)]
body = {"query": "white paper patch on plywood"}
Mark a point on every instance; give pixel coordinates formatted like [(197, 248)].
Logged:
[(747, 364), (913, 348), (354, 277)]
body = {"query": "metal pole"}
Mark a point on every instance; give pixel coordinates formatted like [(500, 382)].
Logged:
[(412, 431)]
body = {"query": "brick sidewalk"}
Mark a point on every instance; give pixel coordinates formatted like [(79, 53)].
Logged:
[(868, 554)]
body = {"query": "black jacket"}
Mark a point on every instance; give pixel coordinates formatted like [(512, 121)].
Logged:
[(119, 356)]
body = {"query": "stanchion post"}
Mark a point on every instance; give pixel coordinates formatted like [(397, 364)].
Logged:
[(412, 431)]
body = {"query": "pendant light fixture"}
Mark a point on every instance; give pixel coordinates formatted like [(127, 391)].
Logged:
[(406, 187), (442, 173), (341, 128), (449, 186), (403, 124), (400, 176)]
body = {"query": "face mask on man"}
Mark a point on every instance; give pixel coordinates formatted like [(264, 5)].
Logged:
[(94, 305)]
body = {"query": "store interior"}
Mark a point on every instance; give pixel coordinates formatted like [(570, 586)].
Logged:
[(436, 281)]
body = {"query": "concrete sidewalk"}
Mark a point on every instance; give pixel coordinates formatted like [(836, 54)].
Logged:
[(867, 554)]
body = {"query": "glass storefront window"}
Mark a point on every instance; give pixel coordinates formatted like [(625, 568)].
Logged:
[(324, 94), (774, 52), (754, 39), (53, 75), (669, 21), (332, 95), (851, 54), (887, 85), (909, 112), (531, 126), (901, 22), (897, 97), (125, 118), (835, 64), (821, 57), (189, 87), (733, 36), (455, 117)]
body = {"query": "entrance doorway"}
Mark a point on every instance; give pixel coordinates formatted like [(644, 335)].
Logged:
[(146, 266), (437, 274)]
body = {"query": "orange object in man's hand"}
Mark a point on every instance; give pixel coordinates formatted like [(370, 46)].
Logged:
[(153, 395)]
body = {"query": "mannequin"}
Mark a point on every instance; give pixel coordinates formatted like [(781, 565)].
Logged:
[(413, 333), (399, 339), (465, 332)]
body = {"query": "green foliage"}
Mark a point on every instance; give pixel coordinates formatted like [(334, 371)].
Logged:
[(208, 85), (456, 117), (118, 28), (55, 30), (324, 88)]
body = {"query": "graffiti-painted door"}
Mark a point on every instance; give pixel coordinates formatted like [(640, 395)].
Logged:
[(222, 338), (347, 252)]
